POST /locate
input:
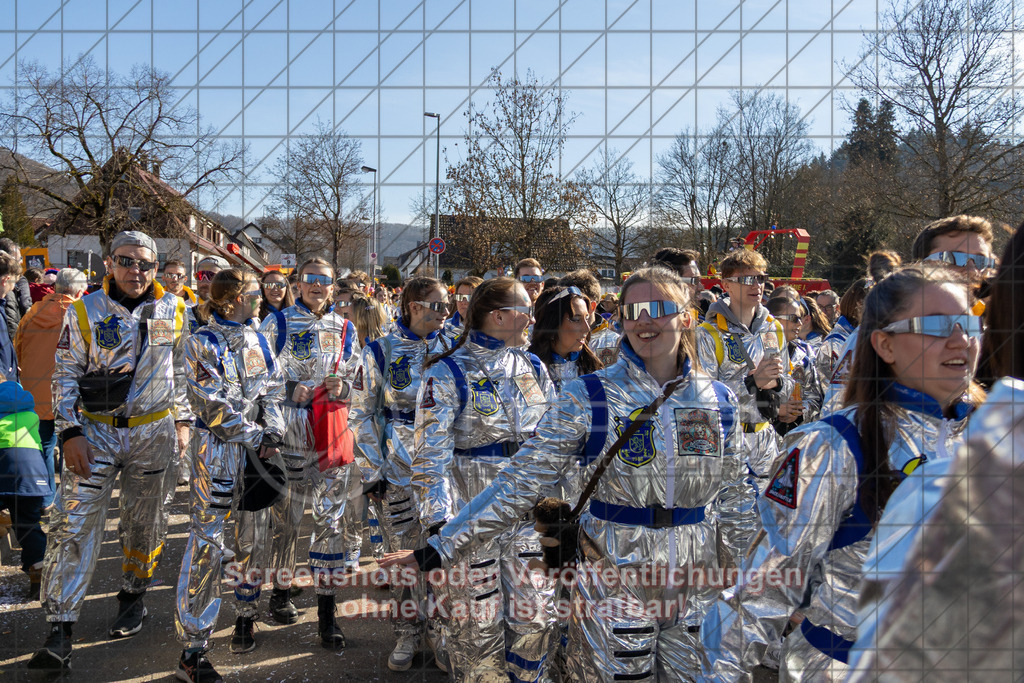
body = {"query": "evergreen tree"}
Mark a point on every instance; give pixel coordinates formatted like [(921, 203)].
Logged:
[(16, 222)]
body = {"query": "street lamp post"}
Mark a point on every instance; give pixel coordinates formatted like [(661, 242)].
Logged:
[(437, 191), (373, 262)]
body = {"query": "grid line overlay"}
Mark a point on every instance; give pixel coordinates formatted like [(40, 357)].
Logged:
[(415, 56)]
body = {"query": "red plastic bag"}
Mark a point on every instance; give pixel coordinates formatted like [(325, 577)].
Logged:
[(332, 438)]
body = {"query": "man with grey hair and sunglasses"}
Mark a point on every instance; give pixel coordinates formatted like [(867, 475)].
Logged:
[(122, 413)]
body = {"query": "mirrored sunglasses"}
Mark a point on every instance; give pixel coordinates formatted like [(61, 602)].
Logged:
[(462, 297), (173, 276), (129, 263), (518, 309), (254, 294), (436, 306), (343, 304), (205, 275), (531, 278), (279, 286), (960, 259), (315, 279), (748, 279), (655, 309), (938, 325), (692, 280), (790, 317)]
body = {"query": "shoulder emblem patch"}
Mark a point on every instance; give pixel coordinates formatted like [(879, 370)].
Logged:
[(783, 487), (202, 374), (428, 394), (732, 348), (64, 343), (358, 384)]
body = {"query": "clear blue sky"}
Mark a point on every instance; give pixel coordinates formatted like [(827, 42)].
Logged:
[(638, 71)]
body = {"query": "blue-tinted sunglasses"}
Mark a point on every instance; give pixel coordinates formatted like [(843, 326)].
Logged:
[(315, 279), (655, 309), (938, 325), (960, 259)]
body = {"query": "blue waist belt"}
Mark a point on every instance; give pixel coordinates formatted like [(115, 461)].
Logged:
[(652, 517), (826, 642), (504, 449), (403, 416)]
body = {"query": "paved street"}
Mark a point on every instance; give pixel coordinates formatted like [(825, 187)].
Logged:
[(291, 653)]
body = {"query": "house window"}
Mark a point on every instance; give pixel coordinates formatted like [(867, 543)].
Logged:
[(607, 272)]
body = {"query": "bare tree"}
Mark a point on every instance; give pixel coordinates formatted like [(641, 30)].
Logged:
[(697, 190), (295, 235), (507, 193), (770, 139), (319, 189), (621, 201), (946, 67), (98, 125)]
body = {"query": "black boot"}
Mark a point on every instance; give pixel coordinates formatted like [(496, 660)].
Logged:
[(282, 608), (130, 612), (331, 636), (56, 652), (244, 637)]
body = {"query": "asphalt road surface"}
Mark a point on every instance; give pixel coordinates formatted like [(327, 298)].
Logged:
[(283, 653)]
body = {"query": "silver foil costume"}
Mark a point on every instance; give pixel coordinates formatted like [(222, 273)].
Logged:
[(718, 340), (383, 414), (941, 578), (604, 342), (805, 375), (136, 440), (835, 387), (464, 435), (453, 328), (813, 491), (307, 348), (831, 363), (233, 380), (686, 463)]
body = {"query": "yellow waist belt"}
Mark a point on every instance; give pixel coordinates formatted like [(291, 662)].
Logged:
[(122, 422), (754, 428)]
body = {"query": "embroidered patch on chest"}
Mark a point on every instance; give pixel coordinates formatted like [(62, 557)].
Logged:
[(399, 374), (784, 485), (108, 332), (527, 384), (301, 344), (698, 432), (485, 397), (161, 332), (255, 364), (640, 448)]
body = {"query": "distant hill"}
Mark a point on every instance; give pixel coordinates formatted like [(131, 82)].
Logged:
[(38, 205)]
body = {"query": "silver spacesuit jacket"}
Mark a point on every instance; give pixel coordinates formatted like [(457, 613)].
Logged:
[(828, 353), (813, 490), (805, 374), (834, 389), (732, 371), (453, 328), (307, 348), (941, 599), (563, 370), (604, 342), (504, 403), (636, 478), (230, 382), (384, 403), (99, 333)]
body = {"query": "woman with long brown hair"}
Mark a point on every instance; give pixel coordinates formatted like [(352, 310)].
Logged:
[(560, 334), (907, 400), (671, 497), (277, 295), (383, 414), (235, 387)]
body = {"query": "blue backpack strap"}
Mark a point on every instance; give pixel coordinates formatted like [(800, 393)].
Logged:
[(265, 347), (216, 344), (857, 526), (599, 418), (538, 366), (378, 355), (282, 328), (350, 336), (460, 382)]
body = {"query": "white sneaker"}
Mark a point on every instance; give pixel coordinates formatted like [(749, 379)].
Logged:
[(435, 642), (405, 649)]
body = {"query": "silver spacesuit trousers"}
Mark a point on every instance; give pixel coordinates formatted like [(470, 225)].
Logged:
[(327, 493), (500, 618), (216, 485), (644, 629), (144, 457), (401, 530)]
